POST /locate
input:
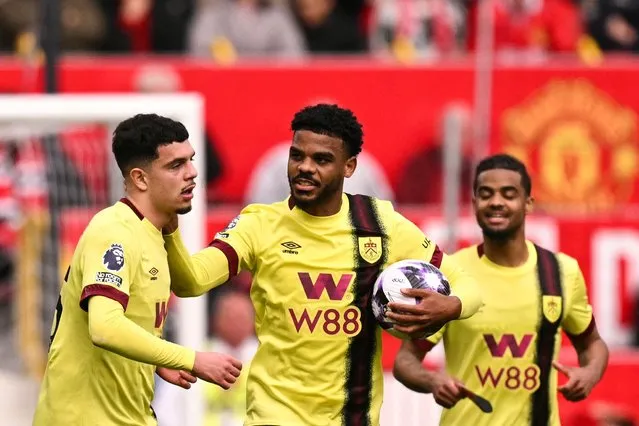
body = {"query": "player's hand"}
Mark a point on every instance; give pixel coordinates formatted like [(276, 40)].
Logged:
[(580, 382), (221, 369), (433, 311), (179, 378), (447, 391), (172, 226)]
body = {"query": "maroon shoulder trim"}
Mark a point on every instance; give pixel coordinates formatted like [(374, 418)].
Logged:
[(230, 253), (437, 258), (102, 290), (128, 202), (586, 332)]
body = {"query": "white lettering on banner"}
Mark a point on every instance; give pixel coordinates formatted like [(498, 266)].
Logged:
[(608, 249), (541, 230)]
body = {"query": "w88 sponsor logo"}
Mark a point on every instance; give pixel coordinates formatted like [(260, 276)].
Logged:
[(329, 321), (513, 377), (330, 318)]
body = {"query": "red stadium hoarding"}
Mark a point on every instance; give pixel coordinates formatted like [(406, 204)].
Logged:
[(575, 125)]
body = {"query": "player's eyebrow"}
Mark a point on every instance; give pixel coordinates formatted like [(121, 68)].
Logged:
[(295, 150), (508, 188), (324, 155), (178, 160), (498, 188)]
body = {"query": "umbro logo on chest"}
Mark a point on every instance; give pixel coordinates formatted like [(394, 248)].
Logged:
[(290, 247), (154, 273)]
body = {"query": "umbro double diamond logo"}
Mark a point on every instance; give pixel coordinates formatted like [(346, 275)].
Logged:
[(290, 247)]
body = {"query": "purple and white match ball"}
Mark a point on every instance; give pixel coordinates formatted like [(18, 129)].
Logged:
[(405, 274)]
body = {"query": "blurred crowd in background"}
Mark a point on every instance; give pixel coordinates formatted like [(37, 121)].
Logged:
[(228, 29)]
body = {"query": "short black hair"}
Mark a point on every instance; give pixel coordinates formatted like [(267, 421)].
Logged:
[(136, 139), (506, 162), (331, 120)]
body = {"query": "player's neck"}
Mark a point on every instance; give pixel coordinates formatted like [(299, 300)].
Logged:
[(511, 252), (144, 206), (328, 208)]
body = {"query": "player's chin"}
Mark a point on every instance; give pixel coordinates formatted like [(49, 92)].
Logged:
[(496, 230), (184, 208)]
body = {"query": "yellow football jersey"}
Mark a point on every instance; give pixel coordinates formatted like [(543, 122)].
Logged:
[(120, 255), (504, 352), (318, 360)]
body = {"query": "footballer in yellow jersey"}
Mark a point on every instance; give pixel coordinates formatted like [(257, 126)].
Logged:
[(506, 351), (106, 335), (314, 258)]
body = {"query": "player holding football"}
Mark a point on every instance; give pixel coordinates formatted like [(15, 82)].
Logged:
[(506, 351), (314, 259), (106, 336)]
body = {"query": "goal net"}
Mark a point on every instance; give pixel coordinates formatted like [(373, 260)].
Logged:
[(56, 171)]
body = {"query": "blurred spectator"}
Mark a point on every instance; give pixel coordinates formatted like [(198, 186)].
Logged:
[(233, 333), (83, 25), (147, 25), (422, 179), (269, 184), (530, 26), (614, 24), (421, 28), (244, 28), (602, 413), (164, 79), (328, 28)]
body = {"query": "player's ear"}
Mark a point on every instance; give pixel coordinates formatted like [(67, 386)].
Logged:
[(530, 202), (139, 178), (350, 166)]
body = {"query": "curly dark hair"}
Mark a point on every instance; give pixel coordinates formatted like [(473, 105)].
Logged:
[(506, 162), (331, 120), (136, 139)]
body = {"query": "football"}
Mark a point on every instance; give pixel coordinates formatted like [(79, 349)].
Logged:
[(405, 274)]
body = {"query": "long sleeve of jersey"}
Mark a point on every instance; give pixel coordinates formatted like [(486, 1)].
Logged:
[(232, 250), (195, 275), (110, 329), (462, 285)]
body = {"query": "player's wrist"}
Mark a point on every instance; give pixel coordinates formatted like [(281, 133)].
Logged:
[(455, 308)]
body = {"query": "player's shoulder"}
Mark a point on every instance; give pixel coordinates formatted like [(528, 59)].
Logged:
[(384, 207), (114, 220), (567, 263), (260, 210), (253, 215), (466, 254)]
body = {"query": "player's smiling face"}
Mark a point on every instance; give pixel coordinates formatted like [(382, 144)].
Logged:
[(317, 166), (172, 178), (501, 203)]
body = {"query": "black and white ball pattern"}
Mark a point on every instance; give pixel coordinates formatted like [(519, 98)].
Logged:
[(405, 274)]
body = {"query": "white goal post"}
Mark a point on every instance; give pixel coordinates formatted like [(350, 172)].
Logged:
[(52, 111)]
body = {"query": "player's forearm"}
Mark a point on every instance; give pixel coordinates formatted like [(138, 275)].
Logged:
[(410, 372), (194, 275), (110, 329), (594, 357), (463, 286)]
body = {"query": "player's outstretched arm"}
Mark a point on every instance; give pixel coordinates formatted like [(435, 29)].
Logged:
[(410, 372), (592, 353), (194, 275), (110, 329)]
